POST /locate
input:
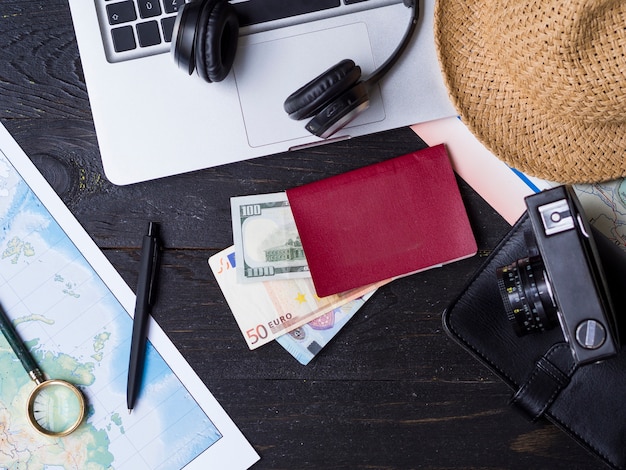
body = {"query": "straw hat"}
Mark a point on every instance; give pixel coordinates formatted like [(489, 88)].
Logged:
[(541, 83)]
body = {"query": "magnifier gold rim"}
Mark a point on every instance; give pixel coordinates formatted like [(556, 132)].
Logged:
[(31, 412)]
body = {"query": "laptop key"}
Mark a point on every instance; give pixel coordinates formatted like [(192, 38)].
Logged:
[(260, 11), (148, 33), (172, 6), (149, 8), (123, 39), (168, 27), (121, 12)]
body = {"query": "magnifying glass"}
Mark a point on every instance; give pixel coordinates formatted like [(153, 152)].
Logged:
[(55, 407)]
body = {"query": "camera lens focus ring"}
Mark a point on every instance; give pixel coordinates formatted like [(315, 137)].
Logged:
[(527, 297)]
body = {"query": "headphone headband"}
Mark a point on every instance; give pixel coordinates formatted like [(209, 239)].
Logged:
[(404, 43), (206, 33)]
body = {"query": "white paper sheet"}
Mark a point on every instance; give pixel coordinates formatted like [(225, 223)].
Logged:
[(74, 311)]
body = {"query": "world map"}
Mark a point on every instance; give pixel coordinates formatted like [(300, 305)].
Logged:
[(78, 331), (605, 207)]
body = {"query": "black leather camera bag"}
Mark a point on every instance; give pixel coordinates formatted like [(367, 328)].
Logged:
[(584, 401)]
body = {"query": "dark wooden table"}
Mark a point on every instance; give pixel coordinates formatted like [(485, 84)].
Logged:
[(391, 391)]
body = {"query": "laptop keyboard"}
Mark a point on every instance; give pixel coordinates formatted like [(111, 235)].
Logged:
[(137, 28)]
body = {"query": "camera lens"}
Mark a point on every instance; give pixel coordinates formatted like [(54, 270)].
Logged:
[(525, 290)]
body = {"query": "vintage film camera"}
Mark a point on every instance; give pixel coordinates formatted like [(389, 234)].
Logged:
[(562, 280)]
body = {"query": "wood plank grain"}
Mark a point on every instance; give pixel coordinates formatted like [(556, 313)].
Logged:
[(391, 391)]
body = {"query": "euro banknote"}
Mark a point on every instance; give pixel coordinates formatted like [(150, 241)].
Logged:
[(268, 309), (306, 341)]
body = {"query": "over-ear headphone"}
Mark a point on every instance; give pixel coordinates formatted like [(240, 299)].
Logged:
[(206, 34)]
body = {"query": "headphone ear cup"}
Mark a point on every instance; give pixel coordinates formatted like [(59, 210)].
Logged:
[(310, 98), (340, 111), (184, 35), (216, 40)]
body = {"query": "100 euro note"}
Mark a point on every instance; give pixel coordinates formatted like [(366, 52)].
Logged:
[(266, 239), (266, 310)]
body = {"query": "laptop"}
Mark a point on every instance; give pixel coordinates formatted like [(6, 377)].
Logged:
[(152, 120)]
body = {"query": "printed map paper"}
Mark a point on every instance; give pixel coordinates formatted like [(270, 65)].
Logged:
[(72, 308)]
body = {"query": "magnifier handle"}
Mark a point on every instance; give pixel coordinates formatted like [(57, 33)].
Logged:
[(19, 348)]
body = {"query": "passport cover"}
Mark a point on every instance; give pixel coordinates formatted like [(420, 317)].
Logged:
[(382, 221)]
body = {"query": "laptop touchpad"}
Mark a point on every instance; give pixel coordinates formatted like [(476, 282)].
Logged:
[(270, 67)]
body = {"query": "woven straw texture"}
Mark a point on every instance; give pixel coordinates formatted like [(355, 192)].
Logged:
[(541, 83)]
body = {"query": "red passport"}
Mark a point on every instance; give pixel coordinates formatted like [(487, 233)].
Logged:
[(382, 221)]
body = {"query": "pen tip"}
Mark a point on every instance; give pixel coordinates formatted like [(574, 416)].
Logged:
[(130, 410)]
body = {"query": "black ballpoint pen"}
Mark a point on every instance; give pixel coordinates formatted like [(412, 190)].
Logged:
[(145, 297)]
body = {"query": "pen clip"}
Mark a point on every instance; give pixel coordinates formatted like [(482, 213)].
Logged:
[(156, 259)]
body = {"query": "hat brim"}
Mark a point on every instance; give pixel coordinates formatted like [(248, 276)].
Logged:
[(505, 119)]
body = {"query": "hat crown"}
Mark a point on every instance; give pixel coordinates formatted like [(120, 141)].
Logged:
[(569, 57)]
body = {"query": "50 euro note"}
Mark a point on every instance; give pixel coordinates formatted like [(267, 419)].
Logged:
[(265, 310), (267, 244)]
